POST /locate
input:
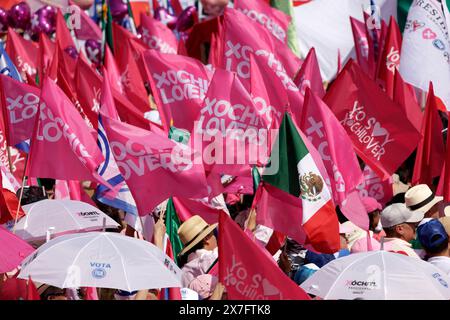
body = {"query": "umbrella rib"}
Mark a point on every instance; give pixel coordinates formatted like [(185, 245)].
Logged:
[(123, 264), (342, 272)]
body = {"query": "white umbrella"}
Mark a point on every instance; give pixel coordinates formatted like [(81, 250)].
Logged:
[(63, 215), (379, 275), (102, 260)]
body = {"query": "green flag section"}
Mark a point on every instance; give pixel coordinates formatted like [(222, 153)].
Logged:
[(299, 176), (286, 7), (256, 178), (172, 225), (106, 24), (402, 11)]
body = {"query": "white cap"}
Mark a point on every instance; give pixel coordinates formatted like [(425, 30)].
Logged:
[(398, 213)]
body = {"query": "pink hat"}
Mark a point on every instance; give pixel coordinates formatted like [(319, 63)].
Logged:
[(360, 245), (371, 204), (204, 285)]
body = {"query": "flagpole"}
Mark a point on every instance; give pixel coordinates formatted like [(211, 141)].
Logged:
[(21, 191)]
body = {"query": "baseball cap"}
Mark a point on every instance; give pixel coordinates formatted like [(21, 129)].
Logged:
[(432, 234), (371, 204), (398, 213)]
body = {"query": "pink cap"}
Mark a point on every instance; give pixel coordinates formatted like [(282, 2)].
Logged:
[(371, 204)]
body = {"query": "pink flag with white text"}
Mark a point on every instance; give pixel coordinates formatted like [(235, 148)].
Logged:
[(241, 36), (331, 140), (63, 146), (154, 167), (230, 124), (247, 272), (157, 35), (179, 85), (20, 104), (274, 20)]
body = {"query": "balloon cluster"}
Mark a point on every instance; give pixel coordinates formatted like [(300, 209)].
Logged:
[(20, 18)]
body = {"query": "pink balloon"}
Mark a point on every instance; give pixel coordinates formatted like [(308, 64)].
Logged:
[(20, 16), (162, 15), (186, 19)]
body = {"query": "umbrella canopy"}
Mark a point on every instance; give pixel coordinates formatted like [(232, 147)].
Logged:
[(12, 250), (102, 260), (66, 216), (379, 275)]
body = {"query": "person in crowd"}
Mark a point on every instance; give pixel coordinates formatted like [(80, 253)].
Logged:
[(200, 248), (446, 223), (421, 198), (373, 209), (434, 239), (305, 272), (400, 225), (204, 285), (52, 293)]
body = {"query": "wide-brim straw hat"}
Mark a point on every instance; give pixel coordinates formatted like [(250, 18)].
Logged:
[(421, 198), (192, 231)]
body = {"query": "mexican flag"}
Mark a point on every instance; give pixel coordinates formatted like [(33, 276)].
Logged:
[(299, 175)]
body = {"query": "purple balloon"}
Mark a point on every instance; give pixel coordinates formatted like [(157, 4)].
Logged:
[(3, 20), (162, 15), (94, 51), (72, 52), (118, 9), (20, 16), (41, 23), (186, 19), (49, 12)]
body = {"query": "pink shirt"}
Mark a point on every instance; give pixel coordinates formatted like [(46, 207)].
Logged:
[(198, 263)]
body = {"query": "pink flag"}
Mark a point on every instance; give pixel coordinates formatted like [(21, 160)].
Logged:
[(187, 208), (374, 187), (23, 54), (62, 190), (20, 104), (331, 140), (87, 29), (309, 75), (247, 272), (275, 21), (231, 126), (154, 167), (113, 71), (179, 85), (63, 146), (157, 35), (381, 133), (242, 36), (279, 211), (361, 44)]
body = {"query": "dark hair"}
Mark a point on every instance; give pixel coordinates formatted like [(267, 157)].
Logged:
[(437, 249), (51, 292), (398, 198)]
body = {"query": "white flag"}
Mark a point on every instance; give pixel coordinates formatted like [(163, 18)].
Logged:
[(425, 52)]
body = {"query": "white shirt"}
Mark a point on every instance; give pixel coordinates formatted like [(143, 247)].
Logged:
[(442, 263)]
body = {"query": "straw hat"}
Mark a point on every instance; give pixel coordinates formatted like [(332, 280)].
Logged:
[(421, 198), (446, 223), (194, 230)]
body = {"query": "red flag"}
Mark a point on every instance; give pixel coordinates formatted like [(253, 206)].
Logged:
[(444, 182), (381, 133), (157, 35), (8, 206), (404, 96), (309, 75), (247, 272), (146, 159), (275, 21), (113, 71), (179, 85), (430, 151), (63, 146), (63, 36), (127, 56), (389, 60), (32, 293), (23, 53)]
